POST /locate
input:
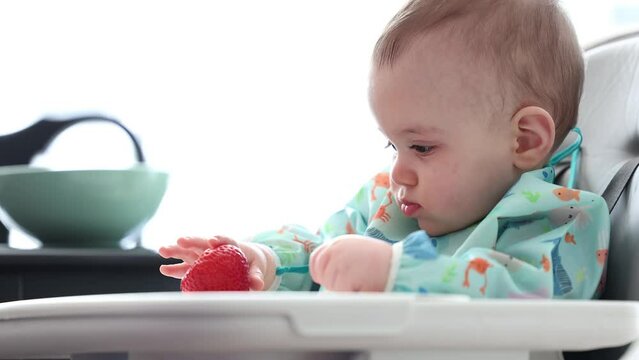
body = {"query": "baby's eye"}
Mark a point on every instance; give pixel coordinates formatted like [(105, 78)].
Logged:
[(390, 144), (422, 149)]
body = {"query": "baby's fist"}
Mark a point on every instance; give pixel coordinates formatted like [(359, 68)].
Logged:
[(352, 263)]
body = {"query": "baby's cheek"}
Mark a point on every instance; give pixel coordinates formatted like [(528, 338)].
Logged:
[(457, 198), (451, 202), (447, 193)]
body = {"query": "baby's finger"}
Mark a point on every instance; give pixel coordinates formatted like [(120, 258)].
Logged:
[(220, 240), (165, 252), (197, 244), (177, 252), (317, 264), (175, 270), (256, 278), (169, 251)]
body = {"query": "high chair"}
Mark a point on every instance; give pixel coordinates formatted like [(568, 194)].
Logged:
[(381, 326), (609, 121)]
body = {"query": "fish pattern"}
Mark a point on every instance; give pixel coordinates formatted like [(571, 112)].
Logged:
[(480, 266), (375, 233), (562, 283), (566, 194)]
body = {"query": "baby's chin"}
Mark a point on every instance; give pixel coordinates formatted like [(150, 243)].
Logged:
[(435, 229), (444, 224)]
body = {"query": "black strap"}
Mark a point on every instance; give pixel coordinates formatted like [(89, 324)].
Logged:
[(618, 184)]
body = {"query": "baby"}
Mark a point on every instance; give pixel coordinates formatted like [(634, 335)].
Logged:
[(474, 98)]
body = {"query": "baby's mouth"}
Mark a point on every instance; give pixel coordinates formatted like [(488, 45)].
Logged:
[(409, 208)]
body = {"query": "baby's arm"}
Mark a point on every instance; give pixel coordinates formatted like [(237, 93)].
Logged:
[(293, 245), (477, 272)]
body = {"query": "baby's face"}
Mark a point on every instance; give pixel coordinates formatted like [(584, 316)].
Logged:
[(450, 126)]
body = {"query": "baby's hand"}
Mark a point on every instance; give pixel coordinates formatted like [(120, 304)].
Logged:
[(352, 263), (189, 249)]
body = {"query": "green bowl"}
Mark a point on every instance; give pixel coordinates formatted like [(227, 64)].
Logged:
[(79, 208)]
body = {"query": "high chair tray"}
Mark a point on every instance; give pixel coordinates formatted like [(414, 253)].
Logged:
[(176, 325)]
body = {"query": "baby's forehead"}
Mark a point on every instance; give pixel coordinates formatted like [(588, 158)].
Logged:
[(443, 65), (416, 89), (446, 50)]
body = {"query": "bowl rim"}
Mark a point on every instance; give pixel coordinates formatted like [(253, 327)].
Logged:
[(29, 169)]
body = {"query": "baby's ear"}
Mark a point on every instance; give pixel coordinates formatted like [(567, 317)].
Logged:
[(533, 137)]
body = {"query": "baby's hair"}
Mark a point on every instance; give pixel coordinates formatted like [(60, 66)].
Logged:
[(531, 43)]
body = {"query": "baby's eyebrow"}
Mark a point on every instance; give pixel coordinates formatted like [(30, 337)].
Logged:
[(421, 130)]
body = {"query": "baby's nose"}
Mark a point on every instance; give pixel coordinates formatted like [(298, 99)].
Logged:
[(402, 174)]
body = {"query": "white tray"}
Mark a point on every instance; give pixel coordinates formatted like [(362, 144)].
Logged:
[(201, 325)]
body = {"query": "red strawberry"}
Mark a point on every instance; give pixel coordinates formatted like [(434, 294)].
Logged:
[(223, 268)]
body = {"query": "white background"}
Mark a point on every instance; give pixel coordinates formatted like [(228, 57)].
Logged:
[(257, 109)]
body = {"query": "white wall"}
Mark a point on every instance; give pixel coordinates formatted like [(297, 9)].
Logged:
[(258, 109)]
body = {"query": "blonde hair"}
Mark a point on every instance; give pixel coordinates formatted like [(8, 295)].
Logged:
[(531, 44)]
